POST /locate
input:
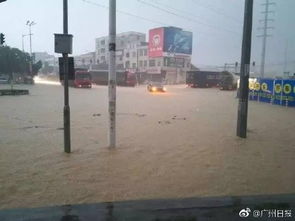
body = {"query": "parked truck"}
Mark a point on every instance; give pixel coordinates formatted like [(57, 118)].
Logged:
[(124, 78), (81, 79), (203, 79), (228, 81)]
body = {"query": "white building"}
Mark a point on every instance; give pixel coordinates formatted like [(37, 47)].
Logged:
[(85, 59), (122, 40), (133, 53), (135, 57)]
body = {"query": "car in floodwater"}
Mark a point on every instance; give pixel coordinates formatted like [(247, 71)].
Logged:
[(156, 87), (4, 79)]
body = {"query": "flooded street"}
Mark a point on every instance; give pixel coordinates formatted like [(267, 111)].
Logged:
[(170, 145)]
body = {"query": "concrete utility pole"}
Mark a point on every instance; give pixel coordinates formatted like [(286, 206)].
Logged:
[(67, 126), (30, 24), (285, 72), (112, 73), (264, 36), (23, 47), (245, 70)]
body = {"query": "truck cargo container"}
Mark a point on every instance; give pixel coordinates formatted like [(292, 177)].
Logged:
[(203, 79), (124, 78)]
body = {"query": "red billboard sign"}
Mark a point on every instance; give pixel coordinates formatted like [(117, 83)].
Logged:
[(156, 42)]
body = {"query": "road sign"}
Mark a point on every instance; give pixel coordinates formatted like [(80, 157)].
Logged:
[(71, 68)]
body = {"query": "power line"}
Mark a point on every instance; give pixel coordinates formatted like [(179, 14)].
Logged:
[(206, 34), (186, 18), (178, 10), (265, 34), (149, 20), (125, 13), (279, 63), (218, 11)]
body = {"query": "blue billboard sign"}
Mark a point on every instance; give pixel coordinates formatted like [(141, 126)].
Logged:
[(274, 91), (177, 41)]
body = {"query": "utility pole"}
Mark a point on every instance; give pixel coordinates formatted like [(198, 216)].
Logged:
[(245, 69), (23, 42), (30, 23), (265, 34), (286, 73), (67, 127), (112, 73)]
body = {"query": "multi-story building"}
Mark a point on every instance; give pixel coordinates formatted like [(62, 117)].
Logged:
[(170, 50), (136, 57), (122, 41), (85, 60), (166, 56)]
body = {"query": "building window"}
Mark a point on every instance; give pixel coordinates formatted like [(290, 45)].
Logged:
[(145, 52), (145, 63), (127, 64), (188, 64), (152, 63), (102, 50), (103, 58), (140, 52), (159, 63), (102, 42), (134, 54), (140, 63), (133, 65), (127, 55)]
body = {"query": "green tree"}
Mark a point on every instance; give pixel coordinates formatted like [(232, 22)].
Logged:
[(13, 60), (47, 68)]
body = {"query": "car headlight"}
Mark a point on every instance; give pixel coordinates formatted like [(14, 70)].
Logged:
[(154, 89), (164, 89)]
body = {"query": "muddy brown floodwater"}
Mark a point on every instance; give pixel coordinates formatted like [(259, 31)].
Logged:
[(173, 145)]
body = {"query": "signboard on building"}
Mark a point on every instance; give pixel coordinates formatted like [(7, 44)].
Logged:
[(154, 70), (169, 41), (174, 62), (177, 41), (274, 91), (156, 42)]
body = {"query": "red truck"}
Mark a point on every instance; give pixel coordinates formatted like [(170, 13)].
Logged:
[(82, 79), (124, 78)]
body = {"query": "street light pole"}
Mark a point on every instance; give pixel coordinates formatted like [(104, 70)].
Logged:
[(23, 42), (67, 127), (112, 73), (30, 23), (245, 70)]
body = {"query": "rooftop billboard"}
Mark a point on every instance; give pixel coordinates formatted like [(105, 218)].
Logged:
[(156, 42), (169, 41), (177, 41)]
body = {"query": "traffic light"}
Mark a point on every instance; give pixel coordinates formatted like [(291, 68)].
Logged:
[(2, 38)]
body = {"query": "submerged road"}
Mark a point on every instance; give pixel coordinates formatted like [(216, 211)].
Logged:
[(173, 145)]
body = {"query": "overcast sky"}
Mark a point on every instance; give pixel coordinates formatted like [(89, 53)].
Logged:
[(216, 26)]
